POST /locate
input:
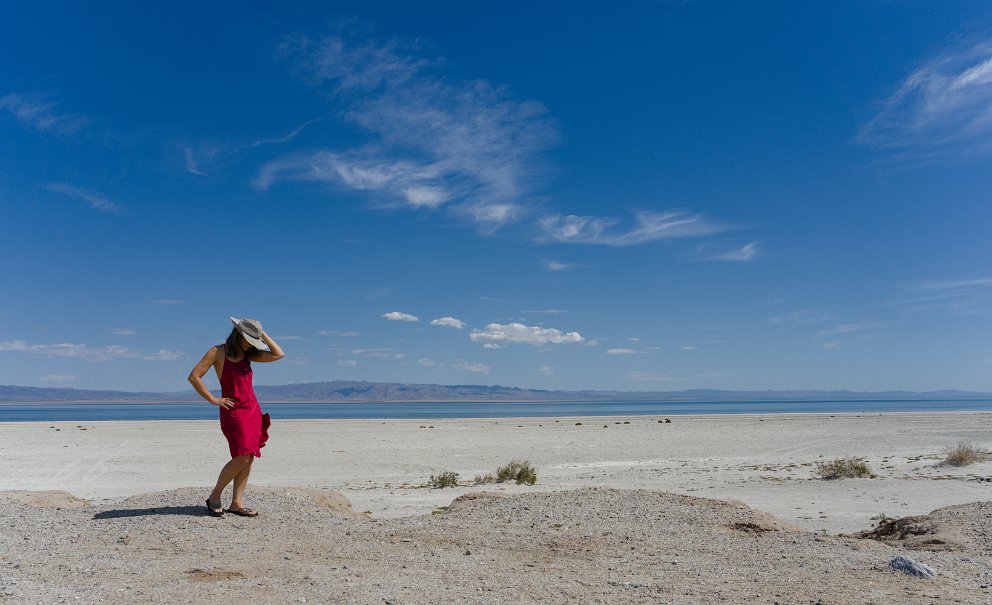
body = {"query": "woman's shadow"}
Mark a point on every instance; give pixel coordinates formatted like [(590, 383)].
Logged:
[(188, 511)]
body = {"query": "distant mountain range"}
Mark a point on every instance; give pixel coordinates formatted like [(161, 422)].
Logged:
[(340, 391)]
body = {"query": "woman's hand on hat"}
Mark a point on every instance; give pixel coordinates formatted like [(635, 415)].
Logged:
[(224, 402)]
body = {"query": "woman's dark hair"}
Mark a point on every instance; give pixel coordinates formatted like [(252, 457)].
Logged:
[(234, 349)]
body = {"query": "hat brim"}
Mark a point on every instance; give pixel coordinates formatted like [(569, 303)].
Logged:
[(255, 342)]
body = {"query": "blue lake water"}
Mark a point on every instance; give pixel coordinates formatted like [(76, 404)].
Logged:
[(89, 412)]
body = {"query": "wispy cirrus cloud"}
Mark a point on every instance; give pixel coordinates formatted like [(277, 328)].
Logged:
[(431, 140), (803, 316), (336, 333), (378, 353), (36, 111), (94, 199), (621, 351), (653, 377), (942, 109), (961, 297), (743, 254), (287, 137), (58, 378), (555, 266), (87, 352), (647, 226), (845, 329), (516, 333)]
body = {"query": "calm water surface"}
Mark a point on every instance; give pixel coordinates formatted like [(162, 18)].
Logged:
[(88, 412)]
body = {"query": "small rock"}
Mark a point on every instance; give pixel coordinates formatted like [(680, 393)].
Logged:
[(911, 567)]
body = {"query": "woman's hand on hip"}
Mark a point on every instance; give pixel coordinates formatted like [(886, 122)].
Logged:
[(224, 402)]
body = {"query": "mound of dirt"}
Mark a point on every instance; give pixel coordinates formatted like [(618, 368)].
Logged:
[(966, 528), (43, 499), (597, 545)]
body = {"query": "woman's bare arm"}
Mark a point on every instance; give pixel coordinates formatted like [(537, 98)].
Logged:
[(196, 379), (274, 353)]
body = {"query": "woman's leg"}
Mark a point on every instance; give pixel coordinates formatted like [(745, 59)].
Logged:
[(229, 473), (240, 483)]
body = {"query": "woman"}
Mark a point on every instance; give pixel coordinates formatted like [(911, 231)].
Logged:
[(242, 421)]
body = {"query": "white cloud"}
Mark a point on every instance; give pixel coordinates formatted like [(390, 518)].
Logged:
[(689, 348), (746, 253), (448, 322), (493, 345), (471, 366), (399, 316), (58, 378), (546, 370), (425, 197), (944, 108), (958, 297), (285, 138), (429, 363), (89, 353), (192, 166), (290, 338), (621, 352), (378, 353), (555, 266), (952, 285), (37, 112), (805, 316), (517, 333), (432, 141), (95, 199), (347, 363), (648, 226), (124, 332)]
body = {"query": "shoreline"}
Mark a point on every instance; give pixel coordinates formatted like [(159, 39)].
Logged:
[(766, 461)]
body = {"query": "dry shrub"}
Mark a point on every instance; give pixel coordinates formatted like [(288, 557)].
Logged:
[(844, 468), (520, 471), (964, 453), (483, 479), (445, 479)]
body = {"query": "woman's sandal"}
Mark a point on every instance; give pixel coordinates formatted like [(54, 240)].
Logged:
[(215, 511), (243, 512)]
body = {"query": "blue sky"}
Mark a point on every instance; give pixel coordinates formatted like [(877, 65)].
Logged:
[(563, 195)]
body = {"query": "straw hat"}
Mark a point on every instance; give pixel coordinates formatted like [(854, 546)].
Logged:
[(252, 331)]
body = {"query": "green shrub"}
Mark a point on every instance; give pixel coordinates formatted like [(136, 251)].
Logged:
[(520, 471), (445, 479), (844, 468), (964, 453)]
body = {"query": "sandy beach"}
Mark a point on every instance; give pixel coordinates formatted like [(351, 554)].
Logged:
[(628, 475)]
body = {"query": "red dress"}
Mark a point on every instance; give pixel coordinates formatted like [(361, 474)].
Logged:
[(244, 425)]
